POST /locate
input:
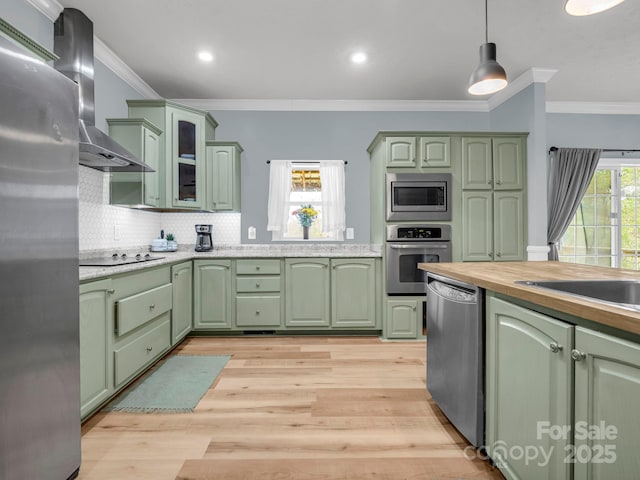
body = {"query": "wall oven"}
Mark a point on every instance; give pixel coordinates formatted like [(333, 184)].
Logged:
[(418, 196), (408, 245)]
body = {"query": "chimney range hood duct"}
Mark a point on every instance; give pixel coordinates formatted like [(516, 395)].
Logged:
[(73, 43)]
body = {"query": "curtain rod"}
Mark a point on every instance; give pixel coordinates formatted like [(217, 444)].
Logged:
[(316, 162), (555, 149)]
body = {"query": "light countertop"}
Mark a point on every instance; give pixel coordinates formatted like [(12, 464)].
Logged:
[(500, 277), (232, 251)]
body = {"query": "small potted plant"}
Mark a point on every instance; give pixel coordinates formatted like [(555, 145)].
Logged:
[(172, 245), (306, 216)]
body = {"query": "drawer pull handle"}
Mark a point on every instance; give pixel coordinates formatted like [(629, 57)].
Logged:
[(149, 349), (257, 285), (257, 312), (257, 268), (555, 347), (152, 306)]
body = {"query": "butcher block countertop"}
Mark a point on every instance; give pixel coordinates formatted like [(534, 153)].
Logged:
[(500, 277)]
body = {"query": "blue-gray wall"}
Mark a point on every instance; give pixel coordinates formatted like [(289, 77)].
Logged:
[(321, 136), (28, 20), (593, 131), (111, 95)]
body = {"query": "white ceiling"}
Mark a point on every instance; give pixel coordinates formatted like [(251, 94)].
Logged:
[(418, 49)]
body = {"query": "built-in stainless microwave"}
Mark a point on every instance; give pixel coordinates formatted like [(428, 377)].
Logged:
[(418, 196)]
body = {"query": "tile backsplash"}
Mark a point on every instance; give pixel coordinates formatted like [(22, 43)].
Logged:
[(105, 226)]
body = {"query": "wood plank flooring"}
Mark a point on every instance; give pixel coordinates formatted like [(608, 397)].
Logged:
[(291, 408)]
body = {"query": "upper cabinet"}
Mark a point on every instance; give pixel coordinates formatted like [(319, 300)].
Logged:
[(223, 176), (422, 151), (142, 138), (492, 163), (182, 156)]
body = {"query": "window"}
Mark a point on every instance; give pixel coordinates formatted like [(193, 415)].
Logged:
[(606, 229), (294, 184)]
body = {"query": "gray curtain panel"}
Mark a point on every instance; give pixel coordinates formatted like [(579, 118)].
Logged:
[(571, 172)]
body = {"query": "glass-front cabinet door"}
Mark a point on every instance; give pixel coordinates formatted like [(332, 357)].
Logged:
[(188, 160)]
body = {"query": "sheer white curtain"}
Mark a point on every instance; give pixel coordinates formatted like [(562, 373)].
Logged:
[(333, 196), (279, 190)]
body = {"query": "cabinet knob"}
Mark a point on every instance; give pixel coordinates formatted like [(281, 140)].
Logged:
[(413, 308), (257, 312), (498, 182), (498, 254), (577, 355), (111, 291), (257, 268), (152, 306), (555, 347), (149, 349), (490, 254), (257, 285), (489, 182), (175, 274)]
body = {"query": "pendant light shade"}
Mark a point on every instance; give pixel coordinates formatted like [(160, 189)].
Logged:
[(580, 8), (489, 76)]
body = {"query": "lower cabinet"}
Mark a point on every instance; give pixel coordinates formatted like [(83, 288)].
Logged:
[(308, 301), (353, 293), (566, 394), (96, 324), (212, 294), (258, 294), (182, 312), (404, 318)]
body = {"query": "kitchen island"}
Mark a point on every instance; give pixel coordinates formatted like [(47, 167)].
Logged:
[(562, 372)]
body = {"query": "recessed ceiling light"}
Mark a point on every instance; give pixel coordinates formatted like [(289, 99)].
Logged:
[(205, 56), (359, 57)]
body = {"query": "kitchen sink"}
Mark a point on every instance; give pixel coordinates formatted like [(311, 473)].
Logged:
[(622, 293)]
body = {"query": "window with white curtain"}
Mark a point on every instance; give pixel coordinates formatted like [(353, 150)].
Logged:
[(295, 184)]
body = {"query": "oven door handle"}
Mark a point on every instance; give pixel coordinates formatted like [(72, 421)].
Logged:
[(421, 247)]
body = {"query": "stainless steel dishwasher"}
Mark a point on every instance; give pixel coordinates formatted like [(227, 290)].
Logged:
[(455, 353)]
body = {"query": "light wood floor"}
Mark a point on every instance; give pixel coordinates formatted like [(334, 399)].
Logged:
[(291, 408)]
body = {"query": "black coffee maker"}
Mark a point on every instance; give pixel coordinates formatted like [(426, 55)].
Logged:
[(203, 238)]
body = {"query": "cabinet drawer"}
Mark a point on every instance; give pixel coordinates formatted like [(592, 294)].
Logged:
[(252, 267), (258, 311), (258, 284), (137, 354), (131, 312)]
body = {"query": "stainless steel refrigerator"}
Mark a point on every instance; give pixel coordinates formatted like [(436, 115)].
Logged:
[(39, 339)]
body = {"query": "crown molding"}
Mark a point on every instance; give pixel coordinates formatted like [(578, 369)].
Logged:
[(121, 69), (337, 105), (49, 8), (595, 108), (533, 75)]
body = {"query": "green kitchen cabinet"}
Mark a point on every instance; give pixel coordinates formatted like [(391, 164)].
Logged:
[(96, 368), (223, 176), (434, 151), (493, 163), (182, 172), (353, 292), (528, 389), (259, 300), (142, 139), (493, 226), (404, 317), (213, 305), (308, 292), (401, 152), (182, 312), (607, 407)]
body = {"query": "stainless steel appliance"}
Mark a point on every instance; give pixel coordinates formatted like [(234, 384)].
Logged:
[(116, 259), (409, 245), (455, 353), (73, 43), (203, 239), (39, 344), (418, 197)]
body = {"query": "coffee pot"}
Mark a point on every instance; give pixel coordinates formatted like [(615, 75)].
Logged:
[(203, 238)]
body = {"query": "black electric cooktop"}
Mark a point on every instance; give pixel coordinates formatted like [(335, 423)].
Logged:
[(116, 259)]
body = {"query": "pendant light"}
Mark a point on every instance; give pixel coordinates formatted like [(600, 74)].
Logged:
[(489, 76), (580, 8)]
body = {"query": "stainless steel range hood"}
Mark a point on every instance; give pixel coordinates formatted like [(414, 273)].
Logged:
[(73, 43)]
